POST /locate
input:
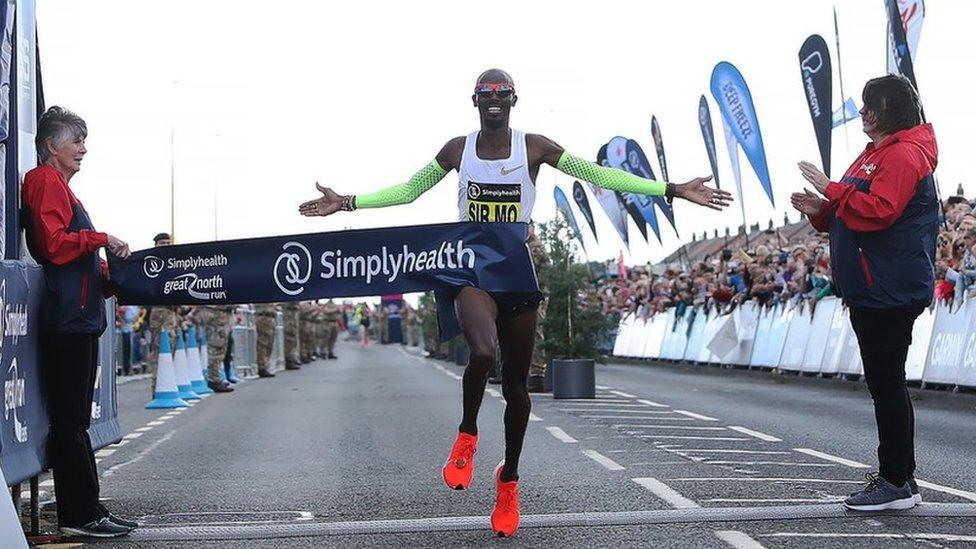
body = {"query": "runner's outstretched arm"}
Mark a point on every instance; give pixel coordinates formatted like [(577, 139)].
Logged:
[(403, 193), (621, 181)]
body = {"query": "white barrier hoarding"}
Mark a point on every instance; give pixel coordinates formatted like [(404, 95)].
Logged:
[(797, 331), (623, 335), (656, 325), (696, 335), (770, 337), (948, 340), (917, 351), (840, 331), (638, 337), (714, 322), (823, 316)]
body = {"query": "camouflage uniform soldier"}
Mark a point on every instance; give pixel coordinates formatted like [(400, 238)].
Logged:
[(383, 318), (291, 336), (320, 331), (162, 318), (411, 324), (306, 332), (330, 317), (265, 324), (217, 321), (537, 368)]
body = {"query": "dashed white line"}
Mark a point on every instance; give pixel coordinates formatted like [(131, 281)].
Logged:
[(903, 536), (561, 435), (738, 539), (142, 429), (132, 435), (156, 423), (835, 459), (533, 417), (765, 479), (679, 437), (828, 499), (603, 460), (597, 416), (683, 427), (694, 415), (602, 387), (597, 400), (725, 451), (947, 489), (493, 392), (666, 493), (754, 463), (756, 434), (622, 394), (611, 404), (652, 403), (105, 452), (622, 411)]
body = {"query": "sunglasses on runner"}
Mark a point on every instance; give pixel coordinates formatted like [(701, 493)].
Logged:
[(503, 90)]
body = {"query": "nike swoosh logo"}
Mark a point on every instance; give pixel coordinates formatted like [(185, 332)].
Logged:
[(506, 172)]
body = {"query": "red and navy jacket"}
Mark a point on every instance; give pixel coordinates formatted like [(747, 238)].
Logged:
[(883, 219), (62, 239)]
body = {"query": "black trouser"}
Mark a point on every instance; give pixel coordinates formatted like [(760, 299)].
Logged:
[(69, 361), (884, 336)]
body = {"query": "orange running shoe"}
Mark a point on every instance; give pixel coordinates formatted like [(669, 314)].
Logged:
[(460, 466), (505, 517)]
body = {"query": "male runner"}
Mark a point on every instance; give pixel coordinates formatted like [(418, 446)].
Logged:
[(497, 169)]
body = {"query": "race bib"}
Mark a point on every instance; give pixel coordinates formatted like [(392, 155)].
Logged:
[(500, 202)]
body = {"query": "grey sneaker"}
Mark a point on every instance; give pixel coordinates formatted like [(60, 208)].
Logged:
[(915, 493), (880, 495), (101, 528)]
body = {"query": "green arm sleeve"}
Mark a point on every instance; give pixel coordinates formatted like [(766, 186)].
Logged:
[(608, 178), (404, 193)]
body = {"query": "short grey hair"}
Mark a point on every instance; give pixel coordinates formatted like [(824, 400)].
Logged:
[(59, 125)]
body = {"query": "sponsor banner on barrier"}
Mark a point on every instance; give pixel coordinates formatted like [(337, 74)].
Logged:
[(656, 327), (946, 346), (105, 429), (24, 425), (836, 341), (918, 350), (490, 256), (813, 354)]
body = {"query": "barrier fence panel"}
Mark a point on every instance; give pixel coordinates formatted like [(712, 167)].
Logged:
[(797, 333), (677, 336), (948, 340), (819, 331), (849, 362), (918, 350), (746, 322), (638, 337), (667, 340), (696, 335), (656, 325), (770, 337), (966, 376), (712, 325), (836, 341), (623, 335), (105, 428)]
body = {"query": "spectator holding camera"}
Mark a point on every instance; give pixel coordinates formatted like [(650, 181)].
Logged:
[(63, 240)]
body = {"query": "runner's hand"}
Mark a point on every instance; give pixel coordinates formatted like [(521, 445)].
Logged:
[(118, 248), (807, 203), (327, 205), (696, 191)]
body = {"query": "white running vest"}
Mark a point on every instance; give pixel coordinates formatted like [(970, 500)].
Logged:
[(495, 190)]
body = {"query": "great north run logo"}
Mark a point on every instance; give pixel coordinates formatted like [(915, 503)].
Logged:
[(293, 268)]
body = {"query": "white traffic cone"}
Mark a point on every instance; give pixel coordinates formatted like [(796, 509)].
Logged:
[(167, 395), (197, 382), (182, 373)]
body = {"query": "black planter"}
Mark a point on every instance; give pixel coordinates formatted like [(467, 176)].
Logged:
[(547, 378), (573, 378)]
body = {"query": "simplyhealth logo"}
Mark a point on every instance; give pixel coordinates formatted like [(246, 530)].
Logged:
[(293, 268), (152, 266)]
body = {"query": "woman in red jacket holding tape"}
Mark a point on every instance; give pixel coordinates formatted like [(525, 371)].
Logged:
[(883, 220), (62, 239)]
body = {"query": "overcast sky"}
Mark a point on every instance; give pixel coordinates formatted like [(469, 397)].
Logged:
[(265, 98)]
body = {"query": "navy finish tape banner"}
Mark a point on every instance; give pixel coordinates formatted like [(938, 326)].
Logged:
[(105, 428), (24, 425), (490, 256)]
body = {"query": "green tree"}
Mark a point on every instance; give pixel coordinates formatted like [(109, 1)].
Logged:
[(573, 323)]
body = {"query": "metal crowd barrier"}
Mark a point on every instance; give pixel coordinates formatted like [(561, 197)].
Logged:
[(277, 361), (245, 342), (792, 338)]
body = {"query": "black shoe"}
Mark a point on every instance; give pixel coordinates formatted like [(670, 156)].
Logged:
[(536, 384), (117, 519), (332, 356), (100, 528), (265, 373), (222, 387), (292, 366)]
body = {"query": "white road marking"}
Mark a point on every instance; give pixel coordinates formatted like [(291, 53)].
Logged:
[(111, 470), (685, 427), (177, 412), (602, 387), (132, 435), (738, 539), (105, 452), (666, 493), (603, 460), (156, 423), (493, 392), (724, 451), (789, 463), (591, 400), (455, 376), (622, 394), (48, 482), (756, 434), (946, 489), (679, 437), (835, 459), (622, 404), (622, 411), (652, 403), (142, 429), (656, 418), (904, 536), (121, 443), (561, 435), (533, 417), (829, 499), (694, 415), (593, 416), (765, 479)]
